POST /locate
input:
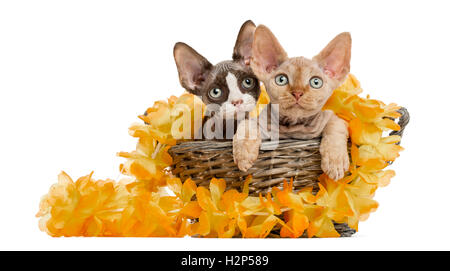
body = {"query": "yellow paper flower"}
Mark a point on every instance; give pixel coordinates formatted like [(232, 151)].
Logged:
[(82, 208), (263, 100), (148, 162), (151, 214), (219, 215), (175, 119), (296, 222)]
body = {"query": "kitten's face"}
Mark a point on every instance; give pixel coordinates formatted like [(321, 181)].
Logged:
[(299, 85), (229, 87)]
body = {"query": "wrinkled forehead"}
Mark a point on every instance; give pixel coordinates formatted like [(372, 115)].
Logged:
[(222, 69), (300, 67)]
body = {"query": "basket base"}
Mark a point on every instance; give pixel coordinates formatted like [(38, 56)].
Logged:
[(342, 228)]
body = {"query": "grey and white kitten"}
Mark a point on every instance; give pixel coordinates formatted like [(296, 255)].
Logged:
[(229, 89)]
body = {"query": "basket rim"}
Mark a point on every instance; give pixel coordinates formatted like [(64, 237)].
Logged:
[(268, 144)]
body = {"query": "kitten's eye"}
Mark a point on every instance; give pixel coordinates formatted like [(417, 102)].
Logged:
[(281, 80), (316, 82), (248, 83), (215, 93)]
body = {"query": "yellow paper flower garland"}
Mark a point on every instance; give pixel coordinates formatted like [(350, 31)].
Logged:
[(139, 206)]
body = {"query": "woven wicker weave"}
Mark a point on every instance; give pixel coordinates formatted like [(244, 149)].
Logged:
[(297, 159)]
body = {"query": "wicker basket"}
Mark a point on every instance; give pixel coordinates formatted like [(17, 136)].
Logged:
[(297, 159)]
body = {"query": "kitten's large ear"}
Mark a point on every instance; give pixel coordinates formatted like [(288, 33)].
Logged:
[(335, 58), (193, 68), (243, 48), (267, 53)]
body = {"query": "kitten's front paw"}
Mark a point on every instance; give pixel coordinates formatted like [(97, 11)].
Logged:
[(245, 153), (244, 165), (335, 162)]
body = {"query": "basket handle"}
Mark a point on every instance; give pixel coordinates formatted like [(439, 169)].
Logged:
[(402, 122)]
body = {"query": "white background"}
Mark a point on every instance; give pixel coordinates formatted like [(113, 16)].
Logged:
[(75, 74)]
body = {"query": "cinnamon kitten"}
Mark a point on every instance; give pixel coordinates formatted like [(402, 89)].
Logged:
[(301, 86)]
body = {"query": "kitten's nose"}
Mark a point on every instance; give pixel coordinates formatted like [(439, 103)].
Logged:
[(237, 102), (297, 95)]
